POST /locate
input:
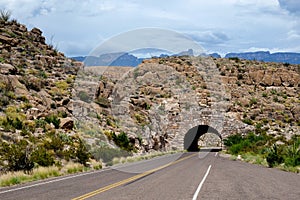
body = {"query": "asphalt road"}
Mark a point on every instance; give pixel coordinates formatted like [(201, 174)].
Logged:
[(202, 175)]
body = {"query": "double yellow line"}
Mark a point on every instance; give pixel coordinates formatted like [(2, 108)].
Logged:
[(114, 185)]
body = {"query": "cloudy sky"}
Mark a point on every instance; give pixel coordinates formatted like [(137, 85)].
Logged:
[(76, 27)]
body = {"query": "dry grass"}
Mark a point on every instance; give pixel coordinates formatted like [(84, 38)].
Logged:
[(13, 178)]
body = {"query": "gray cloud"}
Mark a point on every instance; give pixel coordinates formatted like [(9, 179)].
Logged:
[(293, 6), (209, 37)]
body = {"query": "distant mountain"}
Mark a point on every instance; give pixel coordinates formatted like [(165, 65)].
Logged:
[(127, 59), (123, 59), (266, 56), (215, 55), (110, 59)]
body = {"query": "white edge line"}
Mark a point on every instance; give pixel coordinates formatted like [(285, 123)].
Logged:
[(52, 181), (216, 154), (201, 183)]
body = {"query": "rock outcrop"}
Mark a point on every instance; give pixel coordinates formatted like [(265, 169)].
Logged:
[(163, 98)]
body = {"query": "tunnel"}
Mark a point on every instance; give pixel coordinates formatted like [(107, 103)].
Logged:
[(192, 136)]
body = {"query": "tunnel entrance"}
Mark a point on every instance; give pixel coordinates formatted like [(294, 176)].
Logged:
[(191, 138)]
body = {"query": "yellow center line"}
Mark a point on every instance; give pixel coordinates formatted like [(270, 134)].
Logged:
[(111, 186)]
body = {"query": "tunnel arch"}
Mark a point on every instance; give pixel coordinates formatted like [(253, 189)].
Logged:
[(192, 136)]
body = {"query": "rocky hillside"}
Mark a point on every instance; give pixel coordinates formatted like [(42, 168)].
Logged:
[(36, 81), (48, 102), (158, 102)]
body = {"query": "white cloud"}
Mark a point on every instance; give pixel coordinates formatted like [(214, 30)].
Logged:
[(221, 25)]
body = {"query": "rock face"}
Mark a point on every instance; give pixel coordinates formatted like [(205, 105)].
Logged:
[(163, 98)]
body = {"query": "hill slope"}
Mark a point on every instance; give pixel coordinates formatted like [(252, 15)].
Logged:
[(36, 124)]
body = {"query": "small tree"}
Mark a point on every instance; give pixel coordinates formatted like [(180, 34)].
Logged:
[(5, 15)]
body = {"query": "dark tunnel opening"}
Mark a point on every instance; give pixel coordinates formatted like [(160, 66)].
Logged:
[(192, 136)]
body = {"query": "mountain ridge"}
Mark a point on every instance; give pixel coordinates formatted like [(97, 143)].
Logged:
[(127, 59)]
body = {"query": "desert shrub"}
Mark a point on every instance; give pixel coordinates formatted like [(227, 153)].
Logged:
[(292, 152), (264, 94), (40, 123), (250, 143), (107, 154), (10, 124), (275, 99), (273, 91), (273, 156), (13, 119), (232, 139), (84, 96), (54, 142), (263, 146), (140, 119), (122, 141), (43, 157), (82, 153), (53, 119), (42, 74), (17, 156), (63, 85), (109, 134), (253, 101), (248, 121), (4, 101), (236, 59), (103, 102)]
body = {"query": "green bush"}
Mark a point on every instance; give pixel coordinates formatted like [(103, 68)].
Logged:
[(122, 141), (84, 96), (43, 157), (53, 119), (10, 124), (17, 156), (292, 152), (250, 143), (273, 157), (232, 140), (259, 145), (82, 153), (248, 121), (253, 101)]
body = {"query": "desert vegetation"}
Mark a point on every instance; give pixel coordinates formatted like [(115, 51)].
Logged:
[(260, 148)]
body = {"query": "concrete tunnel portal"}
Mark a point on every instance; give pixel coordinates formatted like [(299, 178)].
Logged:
[(192, 136)]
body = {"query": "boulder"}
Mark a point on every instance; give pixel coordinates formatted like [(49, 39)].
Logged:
[(7, 69), (66, 123)]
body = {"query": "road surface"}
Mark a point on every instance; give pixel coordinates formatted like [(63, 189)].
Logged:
[(202, 175)]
